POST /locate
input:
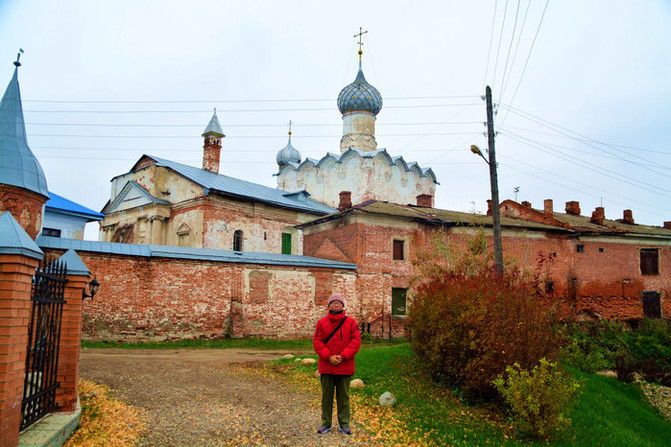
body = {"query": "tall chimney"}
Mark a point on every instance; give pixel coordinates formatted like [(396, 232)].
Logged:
[(667, 225), (212, 147), (573, 208), (628, 217), (598, 216), (548, 208), (345, 200), (425, 200), (489, 207)]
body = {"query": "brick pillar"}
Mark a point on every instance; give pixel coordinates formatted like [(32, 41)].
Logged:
[(212, 153), (16, 273), (71, 337)]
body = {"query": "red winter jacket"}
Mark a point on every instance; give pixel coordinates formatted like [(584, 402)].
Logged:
[(345, 342)]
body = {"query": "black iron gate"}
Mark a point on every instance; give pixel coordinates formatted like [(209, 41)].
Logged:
[(40, 382)]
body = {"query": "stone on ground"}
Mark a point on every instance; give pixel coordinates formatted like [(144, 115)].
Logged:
[(608, 373), (309, 361), (298, 360), (288, 356), (387, 399), (356, 383)]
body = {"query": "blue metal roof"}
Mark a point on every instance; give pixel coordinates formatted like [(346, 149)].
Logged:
[(241, 188), (201, 254), (74, 264), (60, 204), (14, 239), (18, 165)]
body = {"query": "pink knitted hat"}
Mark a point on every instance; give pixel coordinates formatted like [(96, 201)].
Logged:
[(336, 297)]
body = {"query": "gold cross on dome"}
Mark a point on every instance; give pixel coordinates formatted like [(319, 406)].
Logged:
[(289, 127), (359, 35)]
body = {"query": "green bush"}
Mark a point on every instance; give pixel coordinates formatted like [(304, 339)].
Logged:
[(467, 323), (540, 398), (645, 350), (586, 357), (648, 350)]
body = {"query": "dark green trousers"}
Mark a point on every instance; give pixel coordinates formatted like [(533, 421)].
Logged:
[(339, 384)]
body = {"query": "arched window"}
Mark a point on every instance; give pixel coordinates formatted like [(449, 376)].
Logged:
[(237, 240)]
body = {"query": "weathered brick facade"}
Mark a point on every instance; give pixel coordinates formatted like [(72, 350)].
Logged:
[(595, 273), (26, 207), (149, 298)]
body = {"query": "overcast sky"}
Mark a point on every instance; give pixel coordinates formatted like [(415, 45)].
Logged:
[(582, 89)]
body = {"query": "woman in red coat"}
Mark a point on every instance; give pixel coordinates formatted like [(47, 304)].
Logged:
[(336, 341)]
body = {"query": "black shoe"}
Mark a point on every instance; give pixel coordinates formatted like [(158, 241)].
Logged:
[(345, 430), (322, 430)]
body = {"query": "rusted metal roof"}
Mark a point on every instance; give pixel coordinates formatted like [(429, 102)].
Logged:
[(436, 216)]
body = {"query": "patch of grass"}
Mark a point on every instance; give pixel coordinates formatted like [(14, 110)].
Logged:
[(615, 413), (303, 344), (608, 413)]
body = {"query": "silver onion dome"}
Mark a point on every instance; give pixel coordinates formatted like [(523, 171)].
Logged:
[(288, 155)]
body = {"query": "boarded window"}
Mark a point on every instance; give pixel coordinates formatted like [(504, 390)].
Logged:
[(51, 232), (286, 243), (650, 261), (652, 304), (398, 254), (580, 248), (237, 240), (398, 301)]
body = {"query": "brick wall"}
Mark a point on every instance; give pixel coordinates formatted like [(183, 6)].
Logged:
[(143, 299)]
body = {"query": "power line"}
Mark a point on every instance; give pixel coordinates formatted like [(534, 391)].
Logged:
[(224, 101), (527, 61), (545, 179), (283, 125), (491, 39), (510, 47), (637, 201), (420, 106), (498, 50), (517, 47), (595, 168), (548, 124), (170, 137)]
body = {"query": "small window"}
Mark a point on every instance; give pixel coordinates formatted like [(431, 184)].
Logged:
[(580, 248), (51, 232), (549, 287), (601, 250), (286, 243), (650, 261), (237, 240), (399, 247), (398, 301)]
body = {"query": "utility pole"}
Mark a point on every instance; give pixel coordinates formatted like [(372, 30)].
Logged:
[(493, 178)]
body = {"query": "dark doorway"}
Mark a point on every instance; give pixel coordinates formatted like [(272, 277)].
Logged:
[(652, 304)]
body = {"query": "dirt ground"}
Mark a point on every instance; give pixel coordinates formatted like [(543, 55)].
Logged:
[(212, 397)]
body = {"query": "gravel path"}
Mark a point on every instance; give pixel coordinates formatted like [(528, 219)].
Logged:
[(212, 397)]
